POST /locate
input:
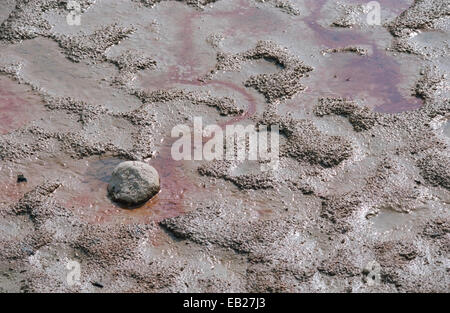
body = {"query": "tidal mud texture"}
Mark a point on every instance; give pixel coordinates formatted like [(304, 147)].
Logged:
[(358, 202)]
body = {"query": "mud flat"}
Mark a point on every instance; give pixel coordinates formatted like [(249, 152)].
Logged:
[(359, 202)]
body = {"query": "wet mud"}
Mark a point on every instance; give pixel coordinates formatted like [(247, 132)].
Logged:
[(362, 186)]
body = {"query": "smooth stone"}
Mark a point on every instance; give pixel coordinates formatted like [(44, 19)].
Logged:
[(133, 182)]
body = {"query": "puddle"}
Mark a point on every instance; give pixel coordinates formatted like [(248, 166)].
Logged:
[(239, 19), (388, 219), (377, 77), (55, 74), (6, 8), (194, 57), (261, 66), (374, 78), (447, 129), (89, 197), (18, 105)]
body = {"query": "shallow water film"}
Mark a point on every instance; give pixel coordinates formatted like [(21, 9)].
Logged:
[(345, 105)]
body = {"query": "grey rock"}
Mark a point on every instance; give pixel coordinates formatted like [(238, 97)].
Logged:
[(133, 182)]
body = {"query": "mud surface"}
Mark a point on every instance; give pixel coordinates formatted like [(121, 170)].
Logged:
[(359, 202)]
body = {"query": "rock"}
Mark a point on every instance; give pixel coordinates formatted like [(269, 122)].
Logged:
[(21, 178), (133, 182)]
